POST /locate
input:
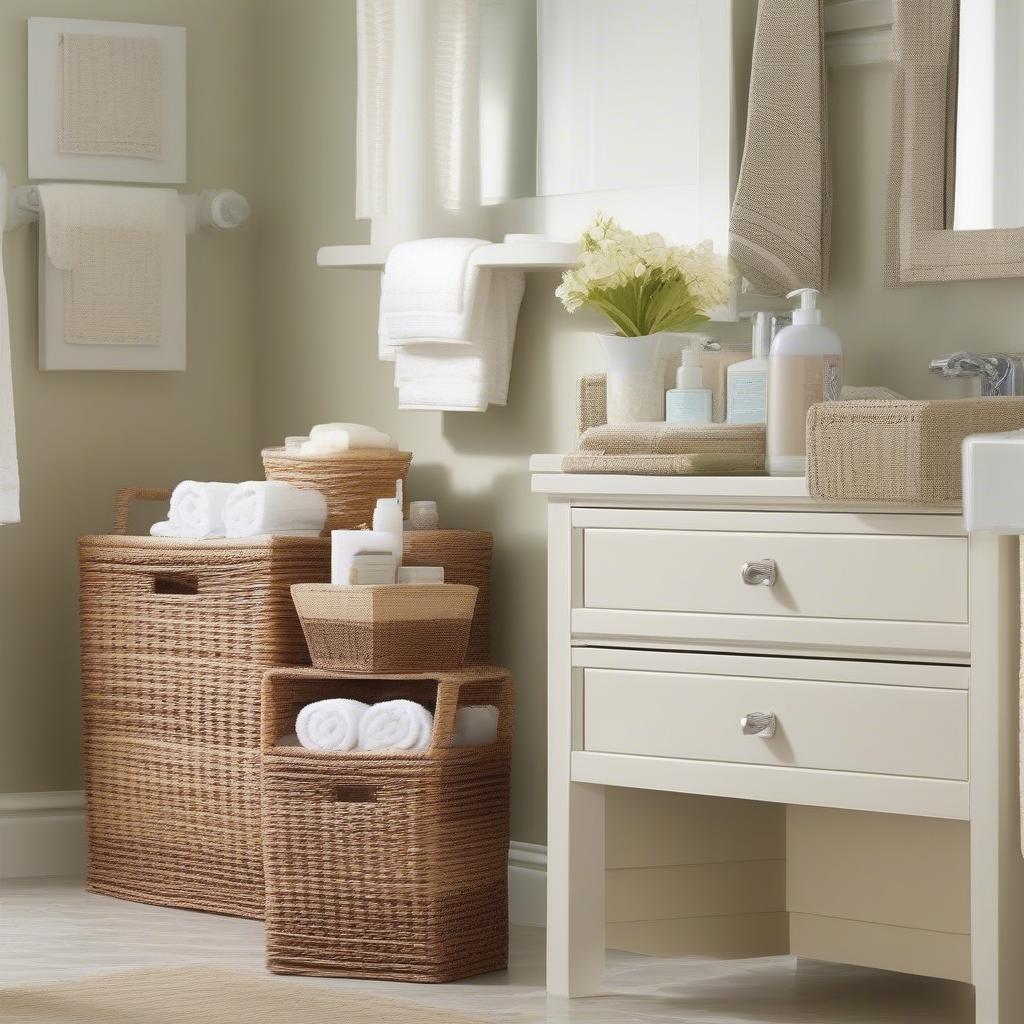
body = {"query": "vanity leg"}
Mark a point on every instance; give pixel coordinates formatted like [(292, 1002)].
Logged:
[(575, 890), (575, 883), (997, 866)]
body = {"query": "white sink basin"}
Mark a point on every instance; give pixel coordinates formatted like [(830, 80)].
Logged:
[(993, 468)]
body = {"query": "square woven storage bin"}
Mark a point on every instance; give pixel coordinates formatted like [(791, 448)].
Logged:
[(387, 864), (176, 637), (386, 628), (900, 452)]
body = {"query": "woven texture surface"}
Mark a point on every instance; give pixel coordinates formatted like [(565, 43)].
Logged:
[(204, 995), (780, 228), (398, 628), (176, 638), (673, 439), (900, 452), (387, 865), (351, 482), (465, 556)]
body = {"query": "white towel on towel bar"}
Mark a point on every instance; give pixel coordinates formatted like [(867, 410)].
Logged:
[(375, 42), (10, 510), (121, 252), (260, 507)]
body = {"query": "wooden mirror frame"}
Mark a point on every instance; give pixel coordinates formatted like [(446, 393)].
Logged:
[(920, 243)]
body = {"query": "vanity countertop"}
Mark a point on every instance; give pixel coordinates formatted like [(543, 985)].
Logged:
[(709, 491)]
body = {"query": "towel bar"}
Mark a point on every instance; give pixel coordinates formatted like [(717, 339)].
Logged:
[(220, 208)]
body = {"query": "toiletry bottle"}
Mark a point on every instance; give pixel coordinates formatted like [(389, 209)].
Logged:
[(746, 387), (805, 366), (689, 401), (387, 516)]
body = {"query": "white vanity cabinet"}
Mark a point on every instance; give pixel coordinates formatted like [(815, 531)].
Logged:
[(855, 667)]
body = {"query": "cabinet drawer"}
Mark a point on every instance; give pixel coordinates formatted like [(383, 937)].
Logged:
[(838, 576), (846, 727)]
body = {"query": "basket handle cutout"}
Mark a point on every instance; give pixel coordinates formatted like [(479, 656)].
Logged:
[(184, 584), (355, 794), (127, 495)]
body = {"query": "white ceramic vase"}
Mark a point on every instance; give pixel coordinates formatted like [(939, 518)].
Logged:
[(636, 378)]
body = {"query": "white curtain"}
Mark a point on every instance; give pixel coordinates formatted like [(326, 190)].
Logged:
[(9, 494)]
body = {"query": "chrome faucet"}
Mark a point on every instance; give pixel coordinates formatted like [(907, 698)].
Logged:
[(1000, 374)]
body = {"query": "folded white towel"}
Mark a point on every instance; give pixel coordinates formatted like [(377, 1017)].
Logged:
[(331, 438), (196, 511), (470, 376), (273, 506), (396, 725), (475, 726), (330, 724)]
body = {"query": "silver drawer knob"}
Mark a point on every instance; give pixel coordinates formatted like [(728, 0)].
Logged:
[(759, 723), (760, 573)]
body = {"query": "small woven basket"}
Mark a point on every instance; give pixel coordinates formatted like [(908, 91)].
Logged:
[(898, 452), (350, 481), (391, 864), (396, 628)]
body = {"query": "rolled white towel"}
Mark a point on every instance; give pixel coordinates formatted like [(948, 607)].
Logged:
[(196, 511), (331, 438), (330, 724), (475, 726), (273, 506), (396, 725)]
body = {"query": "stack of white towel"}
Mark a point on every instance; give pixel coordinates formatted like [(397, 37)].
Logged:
[(448, 324), (203, 511), (343, 725), (333, 438)]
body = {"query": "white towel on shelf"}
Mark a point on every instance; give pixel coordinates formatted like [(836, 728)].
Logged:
[(475, 725), (396, 725), (260, 507), (121, 254), (196, 511), (330, 724), (10, 505), (375, 41)]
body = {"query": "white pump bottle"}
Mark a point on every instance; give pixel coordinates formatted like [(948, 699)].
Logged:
[(805, 366)]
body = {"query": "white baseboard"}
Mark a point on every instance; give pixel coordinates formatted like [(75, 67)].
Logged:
[(527, 884), (42, 834)]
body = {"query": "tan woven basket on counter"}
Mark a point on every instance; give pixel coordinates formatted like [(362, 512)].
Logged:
[(898, 452), (176, 636), (397, 628), (387, 864), (465, 556), (350, 481)]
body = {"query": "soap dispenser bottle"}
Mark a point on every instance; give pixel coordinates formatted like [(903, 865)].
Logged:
[(805, 367), (746, 386), (689, 401)]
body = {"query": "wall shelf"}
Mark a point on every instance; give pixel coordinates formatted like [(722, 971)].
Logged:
[(536, 254)]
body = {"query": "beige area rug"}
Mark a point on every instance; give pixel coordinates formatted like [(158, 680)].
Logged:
[(204, 995)]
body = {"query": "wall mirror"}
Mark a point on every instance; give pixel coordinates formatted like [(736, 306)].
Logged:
[(956, 208)]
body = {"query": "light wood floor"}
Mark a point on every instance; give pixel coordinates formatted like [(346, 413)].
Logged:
[(52, 929)]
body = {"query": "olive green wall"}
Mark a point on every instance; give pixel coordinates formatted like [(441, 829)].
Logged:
[(82, 435)]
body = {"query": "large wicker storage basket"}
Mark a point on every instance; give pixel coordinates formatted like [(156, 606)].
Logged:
[(176, 637), (350, 481), (391, 864), (898, 452), (465, 556)]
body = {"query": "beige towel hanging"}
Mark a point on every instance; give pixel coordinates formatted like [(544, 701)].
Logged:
[(780, 229)]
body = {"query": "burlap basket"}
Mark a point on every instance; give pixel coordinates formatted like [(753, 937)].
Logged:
[(898, 452), (350, 481), (387, 864), (465, 556), (176, 636), (396, 628)]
